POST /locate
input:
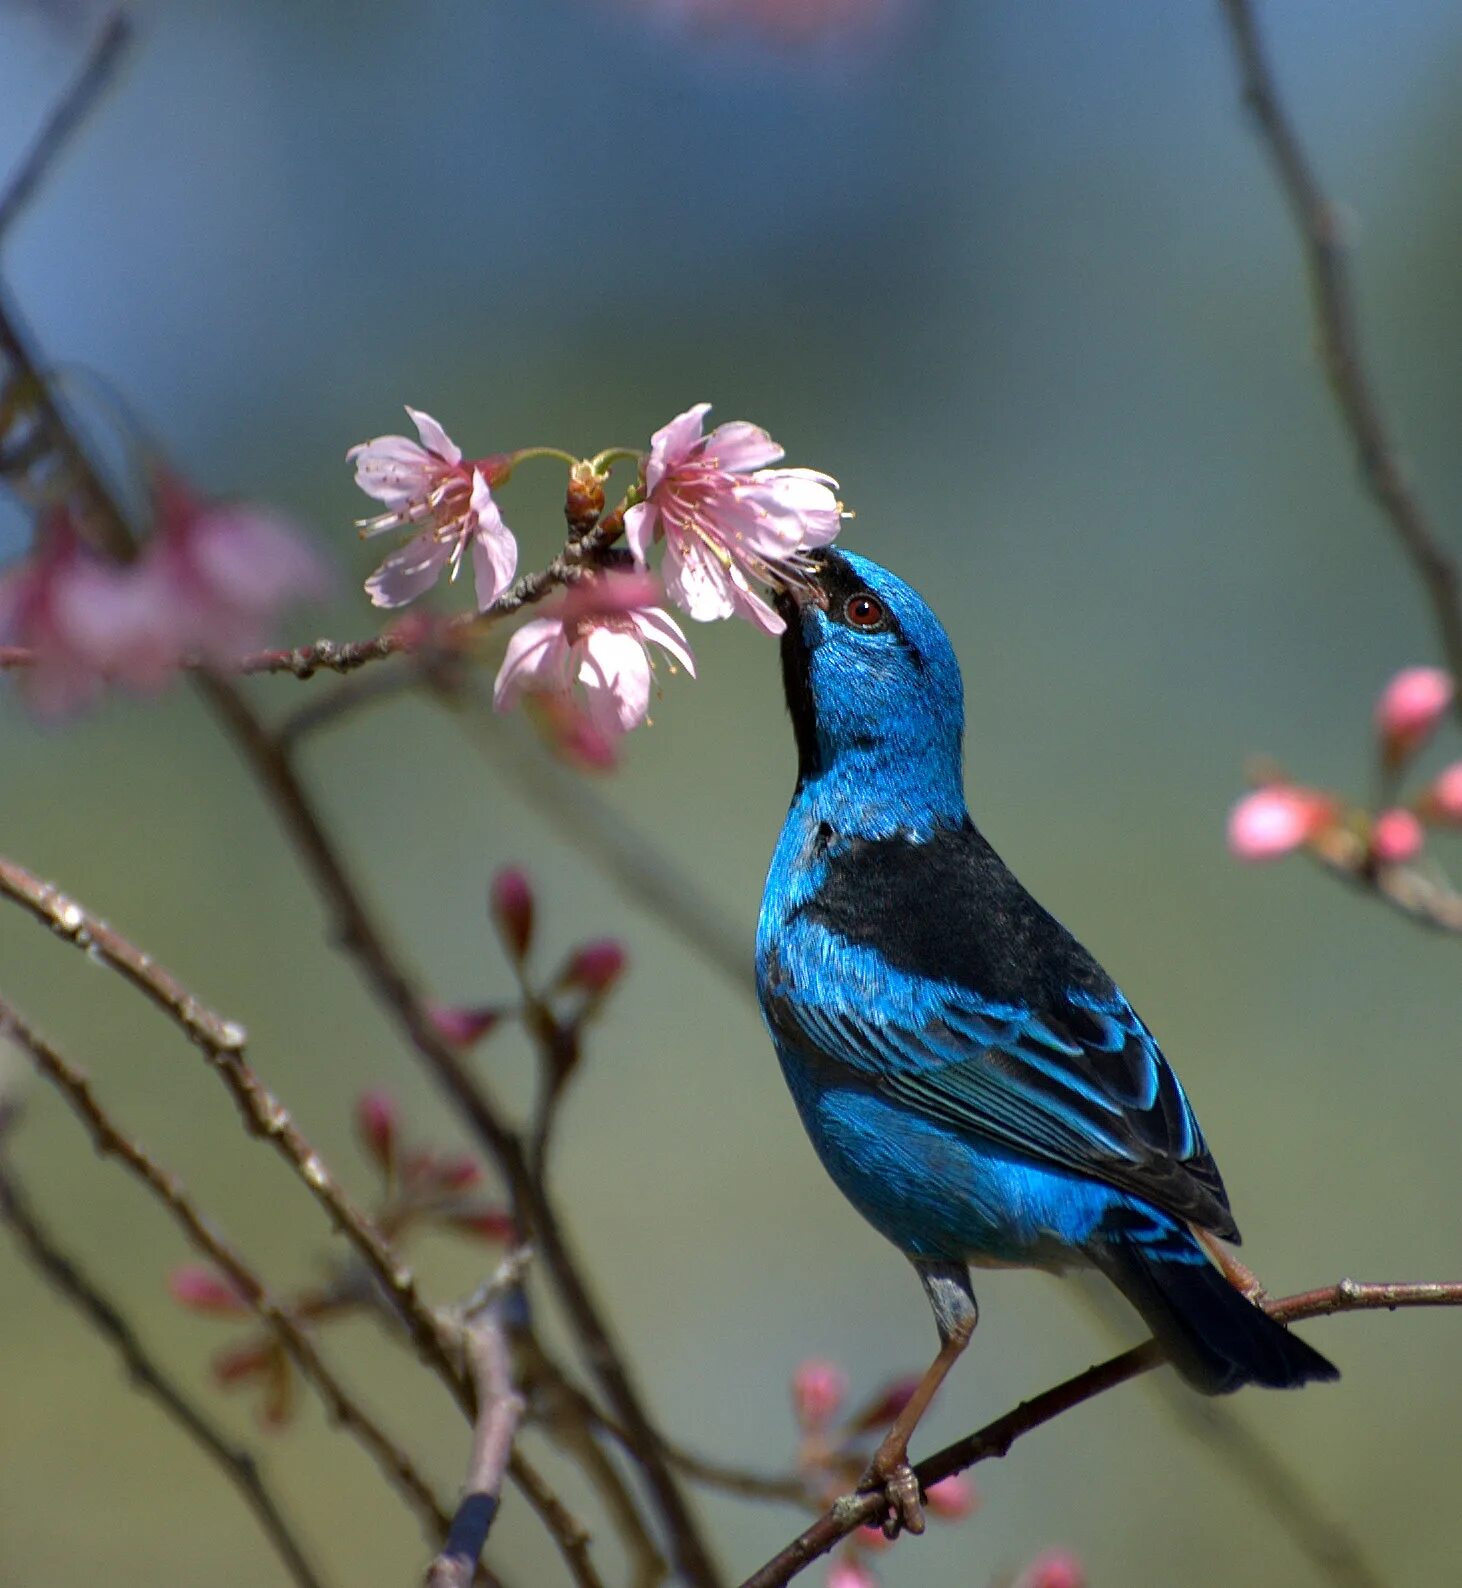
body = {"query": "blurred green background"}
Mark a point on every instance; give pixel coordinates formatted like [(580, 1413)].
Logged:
[(1018, 277)]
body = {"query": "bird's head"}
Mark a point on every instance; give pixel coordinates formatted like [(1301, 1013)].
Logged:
[(872, 683)]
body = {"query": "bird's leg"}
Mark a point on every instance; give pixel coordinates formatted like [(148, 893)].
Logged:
[(947, 1286), (1238, 1274)]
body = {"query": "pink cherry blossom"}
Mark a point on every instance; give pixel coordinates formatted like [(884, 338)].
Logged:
[(570, 733), (1053, 1568), (1410, 707), (1443, 800), (953, 1498), (219, 572), (428, 484), (847, 1571), (599, 638), (1396, 837), (1275, 819), (818, 1388), (726, 518)]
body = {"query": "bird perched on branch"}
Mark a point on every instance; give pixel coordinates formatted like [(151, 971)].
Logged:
[(971, 1078)]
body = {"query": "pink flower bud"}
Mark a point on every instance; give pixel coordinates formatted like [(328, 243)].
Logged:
[(1054, 1568), (205, 1290), (376, 1118), (462, 1027), (458, 1174), (594, 967), (1410, 707), (847, 1571), (1396, 837), (953, 1498), (1275, 819), (818, 1388), (511, 901), (872, 1538), (1443, 800), (238, 1362), (484, 1224)]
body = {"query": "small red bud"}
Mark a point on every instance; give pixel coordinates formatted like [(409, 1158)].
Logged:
[(458, 1174), (511, 901), (953, 1498), (376, 1118), (818, 1388), (239, 1362), (1409, 709), (1055, 1568), (594, 967), (1396, 837), (1442, 802), (463, 1027), (484, 1224), (204, 1290)]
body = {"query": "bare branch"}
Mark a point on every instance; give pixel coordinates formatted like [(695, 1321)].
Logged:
[(237, 1464), (95, 77), (364, 941), (112, 1141), (1321, 237), (995, 1439)]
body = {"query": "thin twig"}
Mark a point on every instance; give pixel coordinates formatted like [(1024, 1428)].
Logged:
[(1322, 239), (500, 1410), (364, 941), (222, 1043), (75, 105), (996, 1438), (1426, 899), (111, 1141), (237, 1464)]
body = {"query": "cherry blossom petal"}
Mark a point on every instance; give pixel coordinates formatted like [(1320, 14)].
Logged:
[(615, 672), (672, 444), (433, 437), (655, 625), (409, 572), (392, 469), (640, 522), (739, 447), (697, 583), (494, 548), (537, 658)]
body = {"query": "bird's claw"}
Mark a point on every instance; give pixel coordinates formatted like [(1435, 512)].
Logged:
[(905, 1513)]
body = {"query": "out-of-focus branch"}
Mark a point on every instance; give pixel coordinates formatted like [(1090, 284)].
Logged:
[(74, 106), (222, 1043), (1322, 239), (111, 1141), (364, 941), (499, 1411), (237, 1464), (996, 1438), (1421, 897)]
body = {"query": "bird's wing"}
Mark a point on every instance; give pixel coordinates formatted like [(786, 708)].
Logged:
[(1087, 1090), (926, 968)]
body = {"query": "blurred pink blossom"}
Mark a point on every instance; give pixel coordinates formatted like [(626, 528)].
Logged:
[(1276, 819), (427, 483), (571, 734), (847, 1571), (1053, 1568), (727, 518), (953, 1498), (220, 572), (818, 1388), (599, 637), (1396, 837), (1443, 800), (1410, 707)]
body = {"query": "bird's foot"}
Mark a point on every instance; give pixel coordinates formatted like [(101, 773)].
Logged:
[(905, 1512)]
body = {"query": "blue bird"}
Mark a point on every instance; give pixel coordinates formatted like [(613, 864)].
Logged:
[(973, 1081)]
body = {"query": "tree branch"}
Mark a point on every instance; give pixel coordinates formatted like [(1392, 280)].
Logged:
[(996, 1438), (1321, 237), (237, 1464), (109, 1140)]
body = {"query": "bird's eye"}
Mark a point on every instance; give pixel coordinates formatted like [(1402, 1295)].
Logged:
[(864, 611)]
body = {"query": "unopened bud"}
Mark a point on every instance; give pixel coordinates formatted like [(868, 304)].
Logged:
[(953, 1498), (584, 499), (818, 1388), (1396, 837), (376, 1118), (594, 967), (463, 1027), (205, 1290), (1056, 1568), (511, 901), (1442, 802), (1410, 707), (1276, 819)]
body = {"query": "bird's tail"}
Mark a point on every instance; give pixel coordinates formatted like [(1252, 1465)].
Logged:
[(1214, 1335)]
